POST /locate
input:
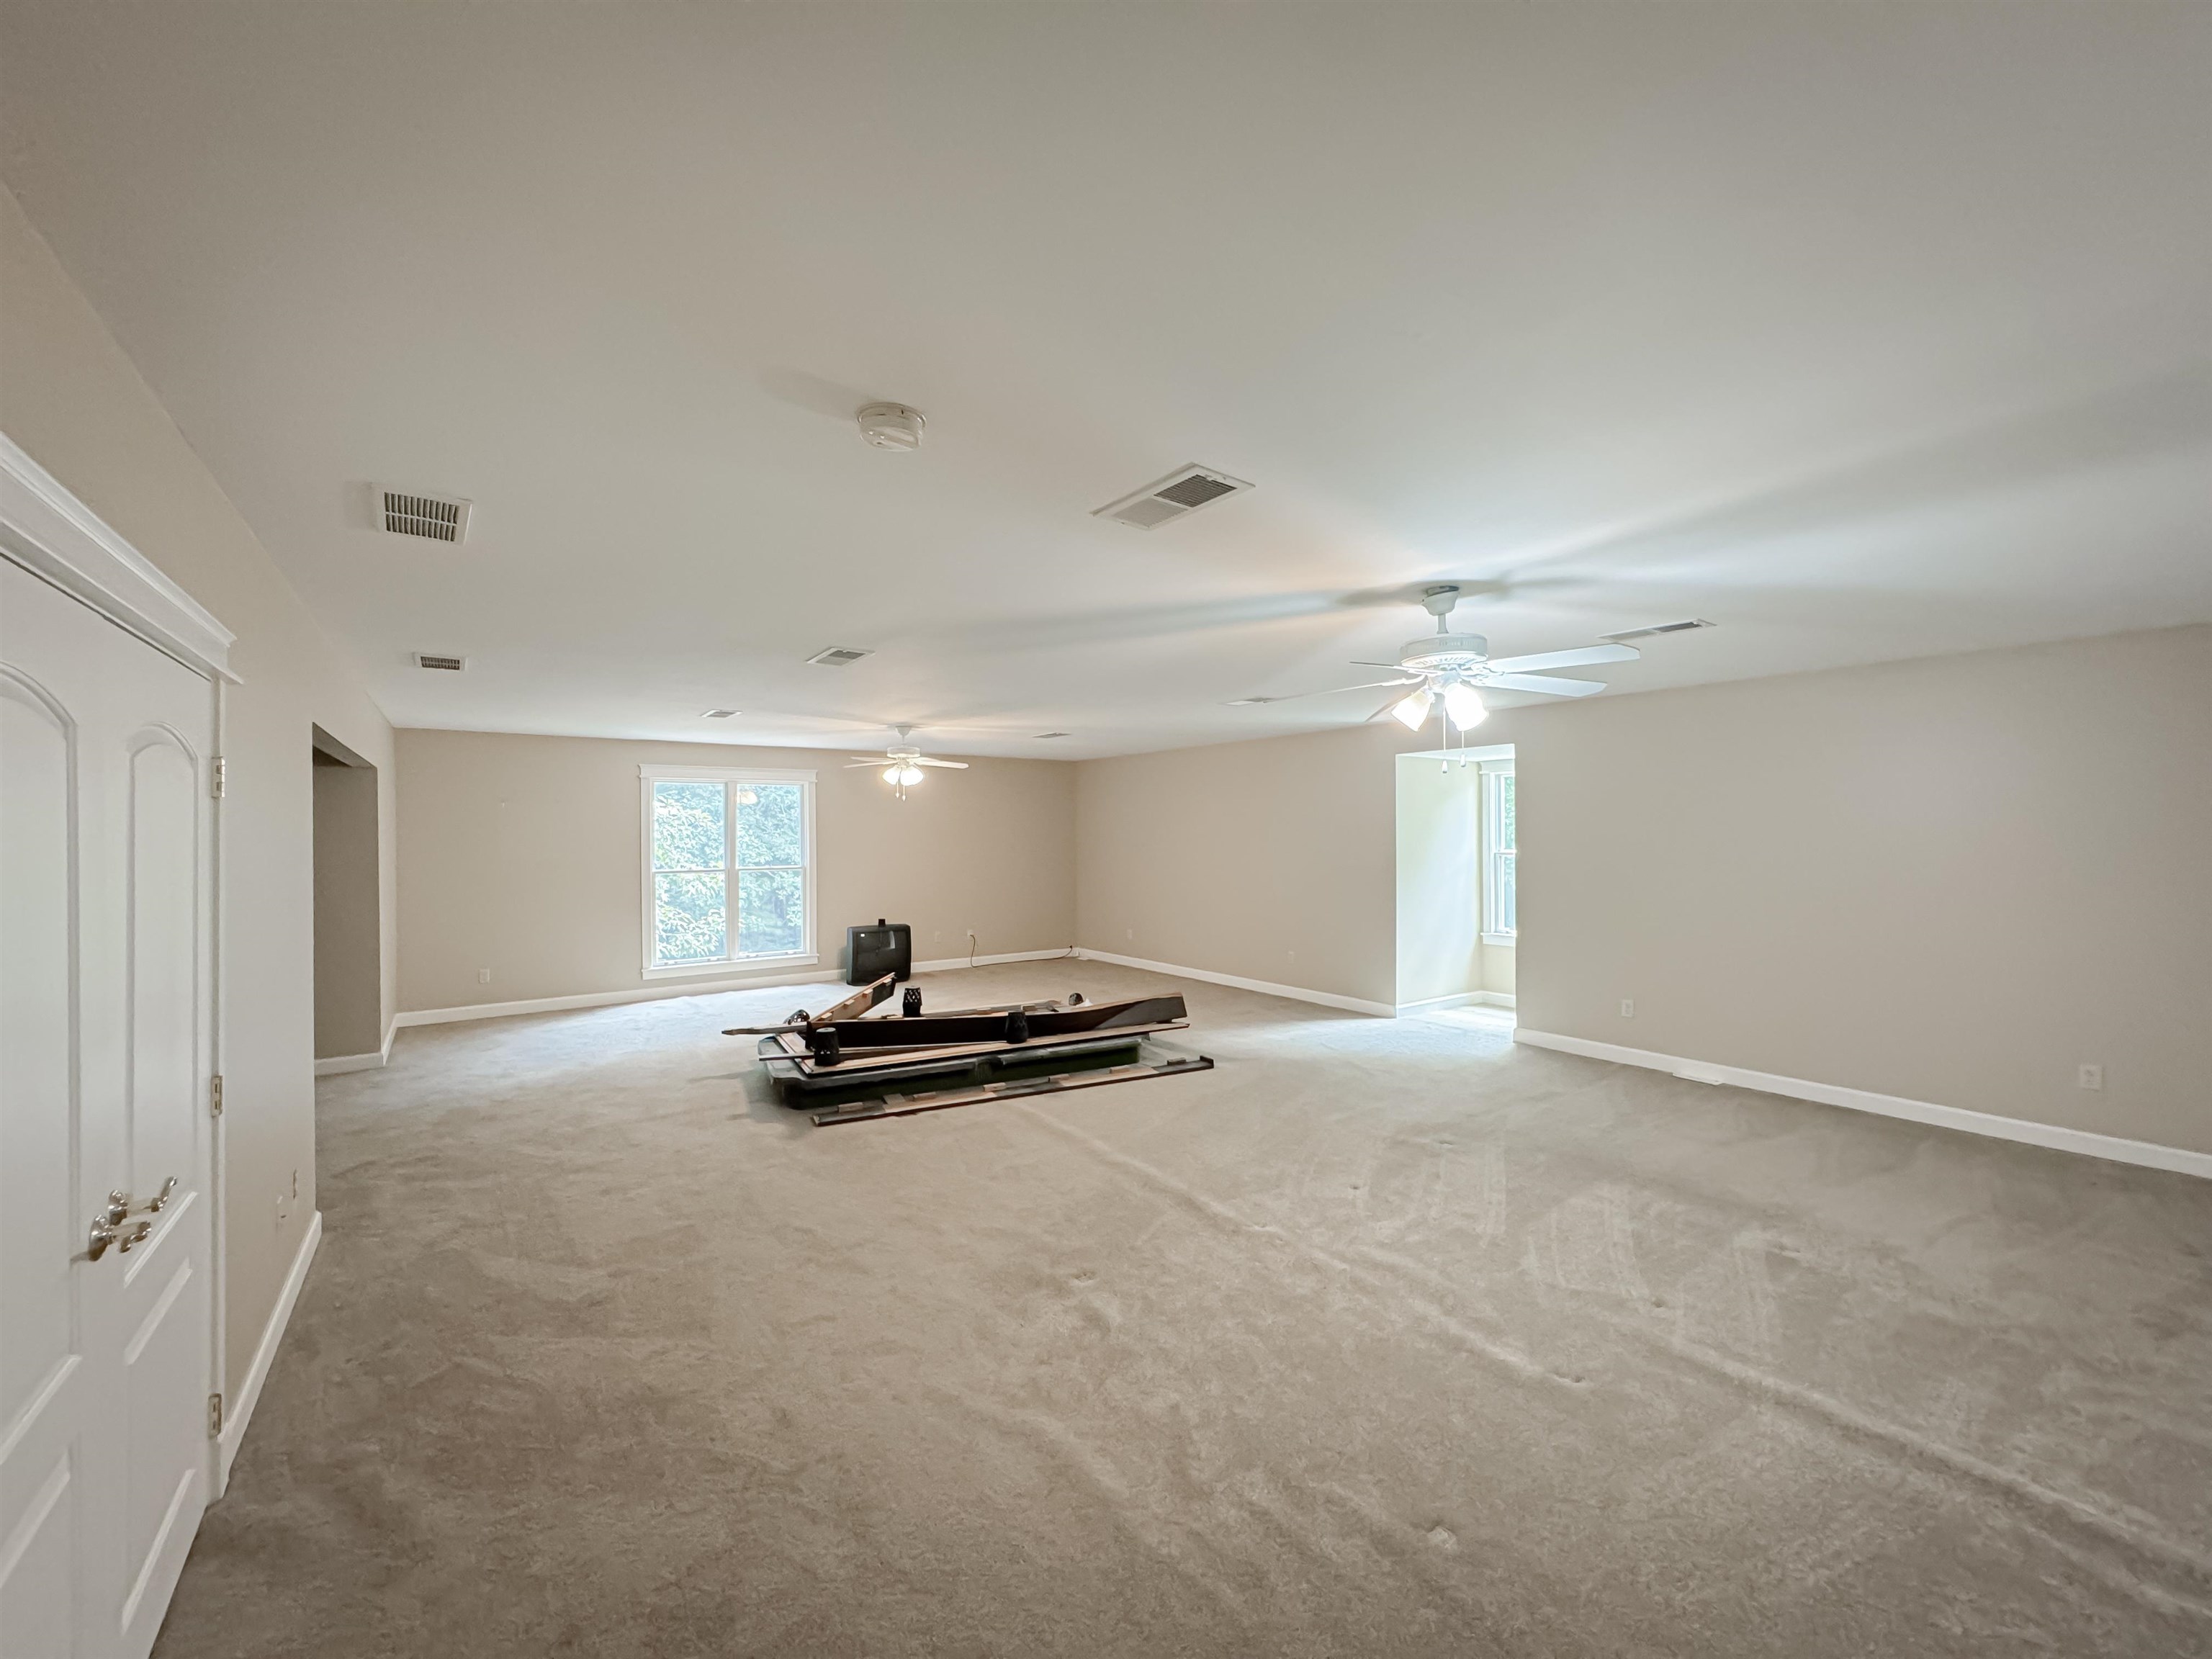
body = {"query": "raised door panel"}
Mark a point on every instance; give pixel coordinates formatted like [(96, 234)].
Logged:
[(44, 1407), (166, 1316)]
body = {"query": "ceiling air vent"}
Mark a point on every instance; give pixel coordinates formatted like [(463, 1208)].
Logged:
[(1628, 633), (1179, 495), (1042, 735), (837, 656), (718, 713), (451, 664), (435, 518)]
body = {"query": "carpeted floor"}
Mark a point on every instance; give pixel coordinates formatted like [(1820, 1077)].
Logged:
[(1384, 1338)]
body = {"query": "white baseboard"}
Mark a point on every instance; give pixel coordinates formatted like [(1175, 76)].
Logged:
[(1457, 999), (237, 1413), (691, 988), (946, 964), (2117, 1148), (1295, 993), (332, 1065)]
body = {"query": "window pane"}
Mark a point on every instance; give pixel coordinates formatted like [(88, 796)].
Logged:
[(1505, 813), (771, 912), (1508, 919), (690, 918), (687, 826), (768, 827)]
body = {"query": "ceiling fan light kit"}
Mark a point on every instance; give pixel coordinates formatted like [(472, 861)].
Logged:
[(905, 764)]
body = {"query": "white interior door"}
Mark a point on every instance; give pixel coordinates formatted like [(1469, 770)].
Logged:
[(105, 1019)]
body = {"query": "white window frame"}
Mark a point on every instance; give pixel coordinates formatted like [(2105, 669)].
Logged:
[(1494, 855), (648, 774)]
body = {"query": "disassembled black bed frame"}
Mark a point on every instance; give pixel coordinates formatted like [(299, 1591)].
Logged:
[(852, 1064)]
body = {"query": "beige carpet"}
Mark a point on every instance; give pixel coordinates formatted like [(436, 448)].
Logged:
[(1384, 1338)]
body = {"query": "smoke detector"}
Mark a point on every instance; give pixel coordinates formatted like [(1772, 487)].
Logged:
[(451, 664), (891, 426), (411, 513), (1178, 496)]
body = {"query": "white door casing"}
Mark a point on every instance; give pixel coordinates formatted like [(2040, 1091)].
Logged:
[(107, 1005)]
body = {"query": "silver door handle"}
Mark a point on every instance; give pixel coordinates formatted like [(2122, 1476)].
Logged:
[(120, 1234), (119, 1205)]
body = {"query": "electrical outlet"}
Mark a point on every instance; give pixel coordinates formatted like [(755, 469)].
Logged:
[(937, 936), (483, 975), (1627, 1008), (2092, 1077), (1129, 933)]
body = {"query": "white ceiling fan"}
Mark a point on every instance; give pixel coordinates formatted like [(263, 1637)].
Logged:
[(906, 762), (1452, 670)]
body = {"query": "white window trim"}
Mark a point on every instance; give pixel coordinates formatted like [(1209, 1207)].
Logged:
[(722, 967), (1493, 936)]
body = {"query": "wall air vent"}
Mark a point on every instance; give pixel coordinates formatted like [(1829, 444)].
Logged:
[(404, 513), (1628, 633), (1178, 496), (451, 664), (837, 656)]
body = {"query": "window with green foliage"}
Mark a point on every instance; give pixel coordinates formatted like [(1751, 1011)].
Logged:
[(727, 873)]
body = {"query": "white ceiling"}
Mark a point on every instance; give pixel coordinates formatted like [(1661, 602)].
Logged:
[(1865, 332)]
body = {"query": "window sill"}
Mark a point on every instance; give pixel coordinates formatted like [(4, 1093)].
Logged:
[(1509, 940), (737, 965)]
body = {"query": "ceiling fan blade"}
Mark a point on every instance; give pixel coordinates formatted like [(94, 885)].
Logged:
[(1333, 690), (1362, 662), (923, 760), (856, 765), (1576, 659), (1545, 684), (1386, 708)]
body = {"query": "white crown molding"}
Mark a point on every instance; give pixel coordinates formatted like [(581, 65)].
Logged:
[(1265, 987), (2147, 1154), (46, 529)]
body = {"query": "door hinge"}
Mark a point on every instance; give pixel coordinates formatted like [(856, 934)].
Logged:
[(215, 1416), (214, 1096), (220, 776)]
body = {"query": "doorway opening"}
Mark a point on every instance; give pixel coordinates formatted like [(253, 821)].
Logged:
[(348, 940), (1458, 908)]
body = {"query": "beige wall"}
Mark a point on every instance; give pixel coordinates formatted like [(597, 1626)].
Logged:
[(349, 1017), (1439, 873), (1497, 968), (71, 398), (1270, 860), (521, 855), (1954, 879)]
